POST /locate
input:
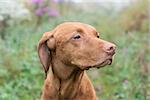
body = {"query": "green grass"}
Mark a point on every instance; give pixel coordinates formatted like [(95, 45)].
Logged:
[(22, 77)]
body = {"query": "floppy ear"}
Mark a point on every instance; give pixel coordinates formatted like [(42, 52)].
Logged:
[(46, 44)]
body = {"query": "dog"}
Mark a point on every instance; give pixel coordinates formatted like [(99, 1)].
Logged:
[(65, 53)]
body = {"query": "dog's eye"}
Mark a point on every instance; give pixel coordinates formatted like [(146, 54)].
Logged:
[(77, 36), (97, 36)]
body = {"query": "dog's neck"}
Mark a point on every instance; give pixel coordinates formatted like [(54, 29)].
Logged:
[(69, 78)]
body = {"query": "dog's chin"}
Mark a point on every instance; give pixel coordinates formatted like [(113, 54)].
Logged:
[(101, 64), (106, 62)]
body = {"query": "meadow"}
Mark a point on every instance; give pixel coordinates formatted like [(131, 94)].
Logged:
[(22, 76)]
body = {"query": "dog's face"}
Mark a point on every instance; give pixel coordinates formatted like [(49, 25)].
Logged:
[(79, 45)]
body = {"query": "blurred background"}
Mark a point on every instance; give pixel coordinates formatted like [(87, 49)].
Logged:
[(124, 22)]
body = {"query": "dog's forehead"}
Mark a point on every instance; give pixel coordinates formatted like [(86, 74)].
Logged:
[(69, 27)]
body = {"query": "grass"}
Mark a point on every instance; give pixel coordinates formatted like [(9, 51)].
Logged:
[(22, 77)]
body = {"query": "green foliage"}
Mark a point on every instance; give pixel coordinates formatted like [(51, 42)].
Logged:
[(136, 17), (22, 77)]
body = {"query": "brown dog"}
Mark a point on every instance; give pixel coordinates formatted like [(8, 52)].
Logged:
[(65, 53)]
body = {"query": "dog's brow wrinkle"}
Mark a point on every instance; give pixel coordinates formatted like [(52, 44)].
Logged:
[(79, 30)]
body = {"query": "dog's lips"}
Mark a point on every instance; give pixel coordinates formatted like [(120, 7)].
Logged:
[(102, 64), (106, 62), (99, 65)]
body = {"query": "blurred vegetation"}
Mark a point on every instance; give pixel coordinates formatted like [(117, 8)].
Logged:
[(136, 17), (21, 74)]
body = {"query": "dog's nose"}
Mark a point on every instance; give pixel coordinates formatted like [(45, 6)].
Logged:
[(110, 48)]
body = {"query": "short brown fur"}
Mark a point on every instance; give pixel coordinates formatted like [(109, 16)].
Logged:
[(65, 53)]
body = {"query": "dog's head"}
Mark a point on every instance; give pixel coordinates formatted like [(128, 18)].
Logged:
[(76, 44)]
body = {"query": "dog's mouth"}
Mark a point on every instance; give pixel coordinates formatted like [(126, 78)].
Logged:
[(104, 63), (100, 64)]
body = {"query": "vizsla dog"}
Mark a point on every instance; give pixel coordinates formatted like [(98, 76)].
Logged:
[(65, 53)]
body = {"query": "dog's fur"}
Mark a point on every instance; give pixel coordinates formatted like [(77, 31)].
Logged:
[(65, 53)]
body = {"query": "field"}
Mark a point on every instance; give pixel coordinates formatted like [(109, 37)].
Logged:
[(22, 76)]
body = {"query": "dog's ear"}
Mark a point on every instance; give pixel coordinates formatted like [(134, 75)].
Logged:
[(46, 44)]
